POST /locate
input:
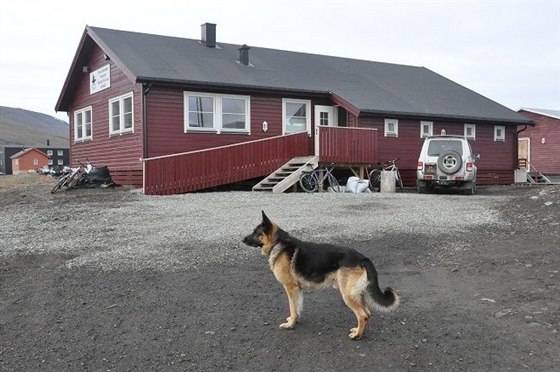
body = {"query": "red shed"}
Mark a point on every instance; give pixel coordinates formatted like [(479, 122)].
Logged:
[(176, 115), (539, 145)]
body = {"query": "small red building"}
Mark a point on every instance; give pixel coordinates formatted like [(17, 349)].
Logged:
[(176, 115), (539, 145), (28, 160)]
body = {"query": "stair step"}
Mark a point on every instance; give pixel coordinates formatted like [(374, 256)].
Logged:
[(287, 175)]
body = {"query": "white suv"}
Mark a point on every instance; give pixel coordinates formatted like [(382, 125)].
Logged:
[(446, 161)]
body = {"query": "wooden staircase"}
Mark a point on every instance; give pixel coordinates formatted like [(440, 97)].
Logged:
[(287, 175)]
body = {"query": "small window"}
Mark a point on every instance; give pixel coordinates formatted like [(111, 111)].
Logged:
[(470, 131), (60, 152), (391, 128), (121, 114), (296, 115), (426, 129), (35, 161), (50, 162), (82, 124), (499, 133), (50, 152), (60, 162)]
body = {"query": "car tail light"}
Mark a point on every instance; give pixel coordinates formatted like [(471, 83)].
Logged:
[(420, 166), (428, 177), (469, 167)]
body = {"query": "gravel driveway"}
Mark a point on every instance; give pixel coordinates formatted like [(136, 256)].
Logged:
[(111, 279)]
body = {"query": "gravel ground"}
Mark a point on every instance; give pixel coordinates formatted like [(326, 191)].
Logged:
[(112, 279)]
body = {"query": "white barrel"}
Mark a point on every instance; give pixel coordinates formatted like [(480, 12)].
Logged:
[(388, 183)]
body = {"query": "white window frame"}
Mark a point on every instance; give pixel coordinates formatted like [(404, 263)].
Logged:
[(217, 125), (60, 152), (501, 138), (35, 161), (393, 133), (466, 128), (49, 152), (60, 161), (430, 132), (307, 103), (50, 162), (121, 99), (83, 113)]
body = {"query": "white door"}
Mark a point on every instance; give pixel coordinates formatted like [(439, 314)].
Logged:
[(324, 116)]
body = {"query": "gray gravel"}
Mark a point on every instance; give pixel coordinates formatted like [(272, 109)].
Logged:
[(131, 231)]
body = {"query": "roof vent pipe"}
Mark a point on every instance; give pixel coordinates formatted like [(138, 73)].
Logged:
[(208, 36), (244, 55)]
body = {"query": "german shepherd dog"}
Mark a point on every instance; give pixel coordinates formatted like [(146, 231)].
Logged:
[(300, 265)]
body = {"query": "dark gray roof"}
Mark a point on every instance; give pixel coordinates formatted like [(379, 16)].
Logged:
[(370, 87)]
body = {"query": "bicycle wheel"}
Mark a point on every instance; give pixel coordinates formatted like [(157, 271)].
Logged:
[(333, 183), (308, 182), (399, 179), (59, 184), (374, 179)]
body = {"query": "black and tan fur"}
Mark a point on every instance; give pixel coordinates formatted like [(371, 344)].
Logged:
[(300, 265)]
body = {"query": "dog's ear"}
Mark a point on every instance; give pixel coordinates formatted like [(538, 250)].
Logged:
[(266, 223)]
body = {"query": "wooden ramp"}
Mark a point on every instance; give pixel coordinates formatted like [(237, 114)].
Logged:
[(287, 175)]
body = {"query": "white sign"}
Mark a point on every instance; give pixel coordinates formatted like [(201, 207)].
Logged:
[(100, 79)]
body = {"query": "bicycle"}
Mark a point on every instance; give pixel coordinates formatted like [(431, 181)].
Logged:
[(311, 180), (73, 177), (375, 175)]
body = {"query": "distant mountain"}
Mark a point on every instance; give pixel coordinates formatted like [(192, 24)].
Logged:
[(26, 128)]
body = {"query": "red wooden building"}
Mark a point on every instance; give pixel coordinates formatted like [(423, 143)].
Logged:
[(28, 160), (176, 115), (539, 145)]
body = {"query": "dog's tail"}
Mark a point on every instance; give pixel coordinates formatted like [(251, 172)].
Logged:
[(387, 300)]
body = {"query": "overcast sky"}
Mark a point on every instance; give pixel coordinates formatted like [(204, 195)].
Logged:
[(508, 51)]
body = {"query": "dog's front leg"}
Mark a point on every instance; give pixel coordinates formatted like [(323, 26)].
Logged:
[(294, 299)]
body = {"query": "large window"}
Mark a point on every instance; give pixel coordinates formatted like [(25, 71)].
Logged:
[(121, 114), (82, 124), (216, 113), (296, 115)]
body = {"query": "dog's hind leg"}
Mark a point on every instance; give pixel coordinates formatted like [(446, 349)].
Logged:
[(295, 297), (351, 283)]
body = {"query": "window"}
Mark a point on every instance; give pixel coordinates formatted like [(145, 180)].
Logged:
[(216, 113), (470, 131), (60, 162), (50, 152), (60, 152), (121, 114), (499, 133), (82, 124), (50, 162), (296, 115), (391, 128), (35, 161), (426, 129)]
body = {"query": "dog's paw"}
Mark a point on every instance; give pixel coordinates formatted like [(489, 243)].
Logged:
[(354, 335), (289, 324)]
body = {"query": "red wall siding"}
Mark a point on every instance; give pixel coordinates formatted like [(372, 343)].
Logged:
[(545, 157), (497, 161), (125, 164), (165, 118)]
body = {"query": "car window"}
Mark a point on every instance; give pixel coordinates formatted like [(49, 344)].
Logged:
[(435, 148)]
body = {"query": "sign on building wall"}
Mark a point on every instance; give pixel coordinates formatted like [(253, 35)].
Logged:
[(100, 79)]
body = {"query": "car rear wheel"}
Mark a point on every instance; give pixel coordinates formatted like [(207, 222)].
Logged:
[(450, 162)]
